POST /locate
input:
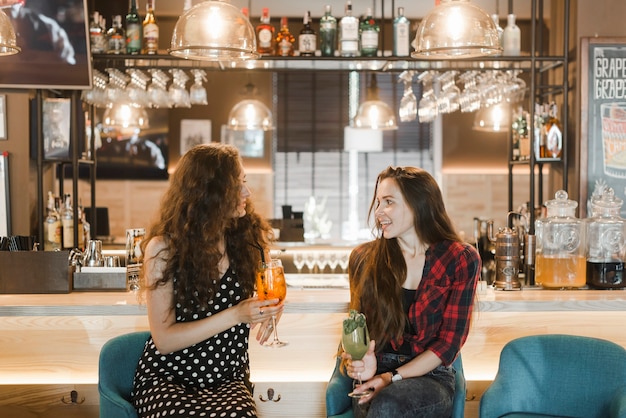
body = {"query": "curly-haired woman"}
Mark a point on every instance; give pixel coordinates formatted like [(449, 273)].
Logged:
[(200, 260)]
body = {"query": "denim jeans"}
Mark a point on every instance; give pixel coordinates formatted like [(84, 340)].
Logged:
[(428, 396)]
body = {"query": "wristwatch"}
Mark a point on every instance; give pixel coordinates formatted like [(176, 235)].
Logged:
[(395, 376)]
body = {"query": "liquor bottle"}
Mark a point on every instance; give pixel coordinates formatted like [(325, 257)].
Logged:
[(52, 230), (67, 221), (150, 30), (368, 30), (284, 40), (401, 34), (511, 37), (540, 137), (244, 11), (189, 3), (496, 21), (96, 35), (553, 132), (349, 33), (328, 33), (265, 35), (133, 29), (84, 231), (116, 37), (307, 40)]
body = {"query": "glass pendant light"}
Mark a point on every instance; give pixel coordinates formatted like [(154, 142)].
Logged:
[(374, 113), (456, 29), (125, 116), (495, 118), (214, 31), (8, 43), (249, 115)]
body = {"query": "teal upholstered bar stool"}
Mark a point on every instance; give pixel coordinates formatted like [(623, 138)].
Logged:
[(558, 375), (116, 369)]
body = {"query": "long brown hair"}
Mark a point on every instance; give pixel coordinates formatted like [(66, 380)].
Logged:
[(377, 269), (196, 212)]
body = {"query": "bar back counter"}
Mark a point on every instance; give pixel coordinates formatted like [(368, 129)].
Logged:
[(50, 344)]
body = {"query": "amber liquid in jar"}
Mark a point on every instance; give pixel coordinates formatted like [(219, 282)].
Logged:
[(558, 272)]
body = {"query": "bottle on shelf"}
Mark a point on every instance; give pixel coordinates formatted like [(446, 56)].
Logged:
[(97, 36), (284, 39), (511, 38), (328, 33), (307, 40), (188, 4), (133, 29), (553, 132), (521, 141), (496, 21), (84, 231), (52, 229), (265, 35), (349, 33), (539, 132), (244, 11), (67, 221), (368, 31), (116, 37), (150, 30), (401, 34)]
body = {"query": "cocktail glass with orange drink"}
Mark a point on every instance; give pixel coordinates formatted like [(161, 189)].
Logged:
[(270, 284)]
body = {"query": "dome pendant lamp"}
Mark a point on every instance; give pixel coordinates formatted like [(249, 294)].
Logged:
[(456, 29), (214, 30)]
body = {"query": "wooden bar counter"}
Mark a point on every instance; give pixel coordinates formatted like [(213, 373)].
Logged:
[(49, 344)]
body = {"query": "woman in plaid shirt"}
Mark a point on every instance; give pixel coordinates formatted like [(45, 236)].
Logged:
[(415, 283)]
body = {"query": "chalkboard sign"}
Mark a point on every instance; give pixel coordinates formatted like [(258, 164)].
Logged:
[(603, 118)]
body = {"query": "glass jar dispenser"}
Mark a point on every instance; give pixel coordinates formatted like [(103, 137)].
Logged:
[(606, 242), (560, 256)]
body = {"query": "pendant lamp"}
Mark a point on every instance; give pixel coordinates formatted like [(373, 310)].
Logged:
[(250, 114), (125, 116), (495, 118), (456, 29), (214, 30), (373, 113), (8, 43)]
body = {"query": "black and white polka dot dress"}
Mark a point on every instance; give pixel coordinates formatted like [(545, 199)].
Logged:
[(208, 379)]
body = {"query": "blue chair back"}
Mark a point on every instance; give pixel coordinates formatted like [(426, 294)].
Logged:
[(116, 369), (558, 375), (339, 404)]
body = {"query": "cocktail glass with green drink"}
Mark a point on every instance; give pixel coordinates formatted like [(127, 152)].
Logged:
[(355, 341)]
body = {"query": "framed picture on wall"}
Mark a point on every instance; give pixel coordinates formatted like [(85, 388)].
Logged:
[(5, 205), (3, 116), (56, 128), (251, 142), (603, 118), (194, 132)]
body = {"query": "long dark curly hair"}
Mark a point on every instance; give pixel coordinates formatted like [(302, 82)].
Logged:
[(197, 211), (377, 268)]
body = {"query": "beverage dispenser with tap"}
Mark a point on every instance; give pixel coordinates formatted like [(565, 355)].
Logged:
[(606, 242), (560, 255), (507, 257)]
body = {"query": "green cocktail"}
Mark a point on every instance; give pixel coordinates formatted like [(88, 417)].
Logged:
[(355, 340)]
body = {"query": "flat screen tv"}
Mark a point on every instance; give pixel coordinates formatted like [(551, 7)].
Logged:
[(53, 36)]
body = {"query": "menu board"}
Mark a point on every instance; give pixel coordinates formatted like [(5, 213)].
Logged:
[(603, 118)]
